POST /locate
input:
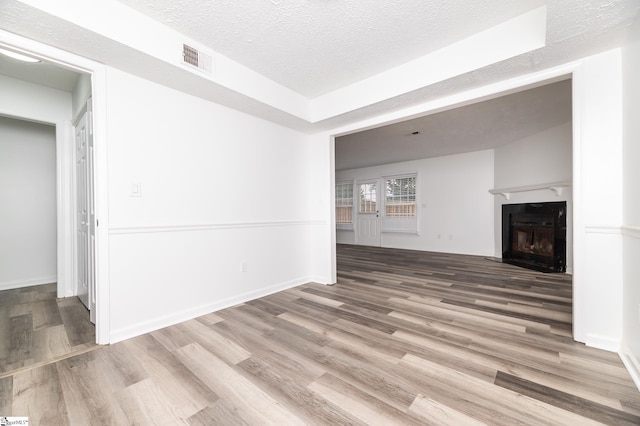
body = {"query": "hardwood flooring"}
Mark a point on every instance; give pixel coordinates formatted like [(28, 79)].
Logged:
[(36, 328), (405, 337)]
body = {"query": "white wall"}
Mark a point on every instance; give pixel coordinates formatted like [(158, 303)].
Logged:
[(541, 158), (631, 212), (28, 212), (597, 200), (218, 187), (81, 92), (545, 157), (21, 99), (455, 207), (322, 244), (27, 100)]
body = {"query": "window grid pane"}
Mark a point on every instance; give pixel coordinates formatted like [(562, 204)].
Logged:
[(400, 197), (368, 198), (344, 203)]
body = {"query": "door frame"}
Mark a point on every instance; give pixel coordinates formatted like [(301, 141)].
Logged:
[(66, 220)]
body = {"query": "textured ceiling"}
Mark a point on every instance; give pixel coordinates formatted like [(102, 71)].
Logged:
[(315, 46), (319, 45), (482, 125)]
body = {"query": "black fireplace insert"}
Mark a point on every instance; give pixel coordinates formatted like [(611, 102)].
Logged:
[(534, 235)]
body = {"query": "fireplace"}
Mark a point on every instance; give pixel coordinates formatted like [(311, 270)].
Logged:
[(534, 235)]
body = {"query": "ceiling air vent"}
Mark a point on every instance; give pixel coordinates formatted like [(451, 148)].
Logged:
[(201, 61)]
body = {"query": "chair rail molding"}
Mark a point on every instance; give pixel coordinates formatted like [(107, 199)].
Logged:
[(134, 229)]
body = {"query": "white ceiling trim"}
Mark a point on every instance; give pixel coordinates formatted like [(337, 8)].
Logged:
[(514, 37), (119, 23), (33, 48), (467, 97)]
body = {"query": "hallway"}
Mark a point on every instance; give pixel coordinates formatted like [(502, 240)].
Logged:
[(37, 328)]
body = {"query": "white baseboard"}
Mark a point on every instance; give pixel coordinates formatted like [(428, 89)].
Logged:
[(631, 363), (188, 314), (320, 280), (9, 285), (603, 342)]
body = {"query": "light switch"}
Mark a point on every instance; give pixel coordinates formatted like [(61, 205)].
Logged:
[(136, 190)]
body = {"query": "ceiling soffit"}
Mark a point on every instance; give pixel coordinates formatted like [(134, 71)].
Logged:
[(574, 29)]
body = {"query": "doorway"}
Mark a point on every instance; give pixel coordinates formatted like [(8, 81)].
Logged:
[(36, 325), (43, 101), (584, 295), (368, 225), (28, 208)]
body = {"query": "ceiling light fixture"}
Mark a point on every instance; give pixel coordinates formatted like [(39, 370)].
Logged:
[(18, 56)]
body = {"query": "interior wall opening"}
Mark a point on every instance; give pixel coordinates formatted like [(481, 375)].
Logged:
[(49, 92), (521, 139)]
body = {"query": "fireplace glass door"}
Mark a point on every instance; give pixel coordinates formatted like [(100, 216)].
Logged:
[(533, 240), (534, 235)]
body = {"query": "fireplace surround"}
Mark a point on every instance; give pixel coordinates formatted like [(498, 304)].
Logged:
[(534, 235)]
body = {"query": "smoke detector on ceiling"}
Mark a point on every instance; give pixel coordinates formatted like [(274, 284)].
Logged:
[(197, 59)]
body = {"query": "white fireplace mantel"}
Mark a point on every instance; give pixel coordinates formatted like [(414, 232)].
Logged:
[(557, 187)]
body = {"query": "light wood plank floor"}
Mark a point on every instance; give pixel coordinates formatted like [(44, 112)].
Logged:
[(404, 338), (36, 327)]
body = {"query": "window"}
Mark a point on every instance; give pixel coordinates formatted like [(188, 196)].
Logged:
[(400, 197), (400, 204), (368, 198), (344, 205)]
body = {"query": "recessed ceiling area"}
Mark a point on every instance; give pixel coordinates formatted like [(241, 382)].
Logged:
[(316, 65), (316, 46), (42, 73), (482, 125)]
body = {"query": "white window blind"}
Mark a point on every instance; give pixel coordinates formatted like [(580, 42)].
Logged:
[(344, 205), (400, 212)]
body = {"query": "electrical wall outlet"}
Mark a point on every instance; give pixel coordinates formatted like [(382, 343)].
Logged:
[(243, 266)]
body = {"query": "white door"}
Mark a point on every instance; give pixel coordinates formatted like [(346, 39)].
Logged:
[(85, 214), (368, 221)]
